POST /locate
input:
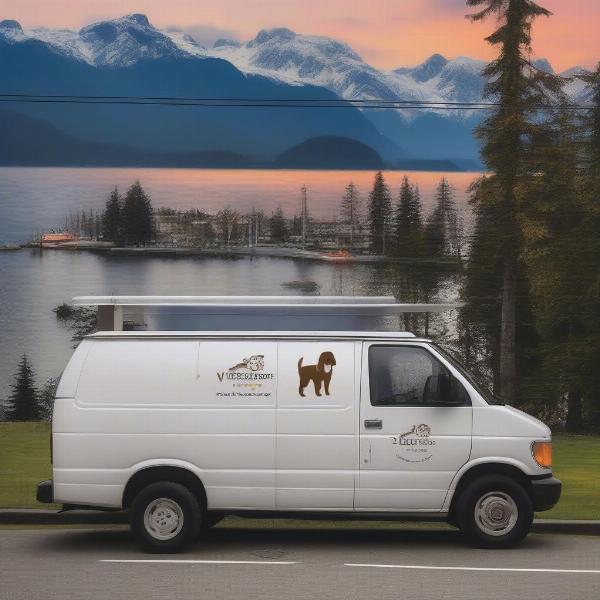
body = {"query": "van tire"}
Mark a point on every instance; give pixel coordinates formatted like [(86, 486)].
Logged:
[(165, 517), (494, 511)]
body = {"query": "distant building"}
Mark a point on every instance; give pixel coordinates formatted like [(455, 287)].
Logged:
[(58, 238)]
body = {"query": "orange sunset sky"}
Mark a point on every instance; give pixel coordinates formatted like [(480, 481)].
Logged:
[(387, 33)]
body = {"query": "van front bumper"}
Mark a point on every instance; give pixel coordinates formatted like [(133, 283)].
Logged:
[(45, 492), (545, 493)]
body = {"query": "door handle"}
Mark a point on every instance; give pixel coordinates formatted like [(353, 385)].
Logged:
[(373, 423)]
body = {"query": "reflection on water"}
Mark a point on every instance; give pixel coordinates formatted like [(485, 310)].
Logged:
[(34, 282)]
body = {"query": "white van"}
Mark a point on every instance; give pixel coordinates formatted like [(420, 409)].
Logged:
[(183, 428)]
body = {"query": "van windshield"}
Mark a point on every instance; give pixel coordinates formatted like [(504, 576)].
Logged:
[(483, 390)]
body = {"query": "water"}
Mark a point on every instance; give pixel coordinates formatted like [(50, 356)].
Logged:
[(33, 282)]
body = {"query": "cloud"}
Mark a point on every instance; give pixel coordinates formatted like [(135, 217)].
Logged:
[(207, 35)]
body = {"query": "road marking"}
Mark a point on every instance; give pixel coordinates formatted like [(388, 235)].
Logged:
[(437, 568), (199, 562)]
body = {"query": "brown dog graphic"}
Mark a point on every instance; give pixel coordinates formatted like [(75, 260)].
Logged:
[(320, 374)]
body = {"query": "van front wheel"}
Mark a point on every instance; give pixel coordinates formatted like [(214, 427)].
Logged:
[(165, 517), (494, 512)]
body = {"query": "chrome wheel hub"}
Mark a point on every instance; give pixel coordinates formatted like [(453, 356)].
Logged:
[(163, 519), (496, 513)]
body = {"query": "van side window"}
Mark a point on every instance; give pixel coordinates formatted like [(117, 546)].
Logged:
[(410, 376)]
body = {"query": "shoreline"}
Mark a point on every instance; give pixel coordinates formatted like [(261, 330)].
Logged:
[(232, 252)]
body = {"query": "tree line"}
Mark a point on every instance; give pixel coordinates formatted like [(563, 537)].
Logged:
[(400, 229), (390, 227), (532, 283)]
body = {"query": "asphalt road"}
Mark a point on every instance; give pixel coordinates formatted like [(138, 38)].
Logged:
[(75, 564)]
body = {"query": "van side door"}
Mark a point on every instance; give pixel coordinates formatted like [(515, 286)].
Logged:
[(415, 428), (317, 442)]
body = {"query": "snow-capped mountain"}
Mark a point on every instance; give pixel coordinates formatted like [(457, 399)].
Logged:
[(300, 59), (277, 53), (117, 43), (286, 62)]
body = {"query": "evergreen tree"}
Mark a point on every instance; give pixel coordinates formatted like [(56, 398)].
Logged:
[(552, 252), (408, 221), (519, 89), (479, 322), (46, 398), (380, 208), (112, 218), (138, 223), (589, 259), (278, 227), (350, 211), (23, 402), (441, 232)]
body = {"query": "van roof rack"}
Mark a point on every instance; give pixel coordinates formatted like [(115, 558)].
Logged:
[(256, 312)]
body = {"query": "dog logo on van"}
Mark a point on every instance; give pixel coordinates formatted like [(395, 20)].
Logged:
[(253, 363), (415, 444), (320, 374)]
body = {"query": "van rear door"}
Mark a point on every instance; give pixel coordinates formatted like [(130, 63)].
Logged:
[(415, 429)]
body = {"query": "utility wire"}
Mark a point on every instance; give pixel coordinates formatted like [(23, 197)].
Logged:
[(277, 103)]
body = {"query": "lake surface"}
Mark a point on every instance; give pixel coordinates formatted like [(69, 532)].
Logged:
[(33, 282)]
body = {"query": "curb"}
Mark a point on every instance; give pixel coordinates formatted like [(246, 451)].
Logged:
[(18, 516), (577, 527), (89, 517)]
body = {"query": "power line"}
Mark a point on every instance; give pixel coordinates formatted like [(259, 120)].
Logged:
[(277, 103)]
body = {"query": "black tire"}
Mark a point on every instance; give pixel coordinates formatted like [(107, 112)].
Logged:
[(494, 497), (165, 517)]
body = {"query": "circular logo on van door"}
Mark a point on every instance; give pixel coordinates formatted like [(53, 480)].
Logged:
[(415, 444)]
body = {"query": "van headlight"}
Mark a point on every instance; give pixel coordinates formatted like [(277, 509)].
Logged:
[(542, 454)]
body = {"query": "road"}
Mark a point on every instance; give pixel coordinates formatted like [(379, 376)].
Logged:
[(76, 564)]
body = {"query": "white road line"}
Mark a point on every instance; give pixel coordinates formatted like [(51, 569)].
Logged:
[(199, 562), (436, 568)]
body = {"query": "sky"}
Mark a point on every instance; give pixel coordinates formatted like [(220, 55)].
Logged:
[(386, 33)]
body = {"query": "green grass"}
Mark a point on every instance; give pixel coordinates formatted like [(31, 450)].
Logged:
[(577, 464), (25, 460)]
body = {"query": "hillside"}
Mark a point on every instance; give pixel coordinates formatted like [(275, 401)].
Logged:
[(329, 152)]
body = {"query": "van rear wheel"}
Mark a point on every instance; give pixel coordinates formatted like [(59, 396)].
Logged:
[(494, 511), (165, 517)]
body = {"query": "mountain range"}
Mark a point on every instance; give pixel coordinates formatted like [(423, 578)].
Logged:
[(130, 57)]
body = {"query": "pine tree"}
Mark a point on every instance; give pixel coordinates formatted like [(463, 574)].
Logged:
[(590, 258), (518, 88), (138, 223), (112, 218), (552, 253), (23, 402), (350, 211), (409, 221), (479, 323), (46, 398), (278, 227), (380, 208), (441, 232)]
